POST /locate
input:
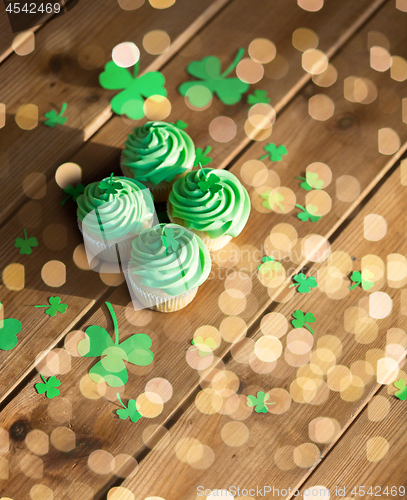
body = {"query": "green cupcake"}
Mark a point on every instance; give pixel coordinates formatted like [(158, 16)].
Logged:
[(156, 154), (211, 203), (111, 213), (167, 265)]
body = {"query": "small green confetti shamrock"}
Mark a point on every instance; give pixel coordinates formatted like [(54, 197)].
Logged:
[(305, 284), (308, 213), (362, 278), (110, 186), (272, 199), (130, 101), (201, 156), (258, 97), (128, 412), (180, 124), (275, 153), (208, 73), (301, 318), (210, 183), (402, 392), (54, 306), (205, 347), (9, 328), (54, 119), (311, 181), (169, 239), (266, 259), (73, 192), (25, 245), (112, 368), (304, 184), (259, 401), (49, 387)]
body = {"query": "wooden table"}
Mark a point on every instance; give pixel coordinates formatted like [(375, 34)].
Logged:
[(335, 424)]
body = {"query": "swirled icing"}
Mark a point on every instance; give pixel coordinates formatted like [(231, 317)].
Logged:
[(115, 215), (157, 267), (158, 151), (224, 212)]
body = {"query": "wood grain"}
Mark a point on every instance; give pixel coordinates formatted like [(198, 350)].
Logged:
[(89, 104), (93, 424)]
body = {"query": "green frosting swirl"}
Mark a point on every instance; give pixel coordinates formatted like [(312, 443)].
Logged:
[(158, 151), (217, 213), (161, 267), (118, 214)]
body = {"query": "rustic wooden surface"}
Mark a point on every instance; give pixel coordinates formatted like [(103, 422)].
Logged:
[(347, 142)]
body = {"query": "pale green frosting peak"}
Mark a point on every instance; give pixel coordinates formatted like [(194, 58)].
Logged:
[(154, 263), (158, 151), (224, 212), (116, 215)]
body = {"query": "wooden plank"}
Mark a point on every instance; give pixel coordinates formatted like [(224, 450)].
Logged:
[(381, 426), (98, 156), (89, 104), (178, 329), (317, 393), (52, 74)]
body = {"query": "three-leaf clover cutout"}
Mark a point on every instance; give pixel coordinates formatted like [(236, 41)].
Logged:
[(130, 101), (362, 278), (25, 244), (308, 213), (311, 181), (73, 192), (301, 320), (273, 199), (48, 387), (110, 186), (54, 119), (169, 239), (201, 156), (275, 153), (305, 284), (258, 97), (210, 182), (208, 74), (266, 259), (9, 328), (205, 347), (112, 367), (130, 411), (259, 401), (54, 306), (402, 389)]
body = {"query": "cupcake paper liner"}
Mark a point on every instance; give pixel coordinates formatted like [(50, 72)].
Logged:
[(162, 303), (212, 244)]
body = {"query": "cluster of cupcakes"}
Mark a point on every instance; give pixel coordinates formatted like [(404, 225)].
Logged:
[(165, 263)]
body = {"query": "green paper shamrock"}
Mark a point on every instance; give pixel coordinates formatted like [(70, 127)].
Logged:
[(266, 259), (275, 153), (258, 97), (55, 306), (272, 199), (208, 73), (259, 401), (128, 412), (49, 387), (180, 124), (8, 333), (130, 101), (110, 186), (311, 181), (25, 244), (73, 192), (305, 284), (362, 278), (307, 213), (54, 119), (402, 392), (169, 240), (301, 319), (304, 184), (211, 183), (201, 156), (205, 347), (112, 368)]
